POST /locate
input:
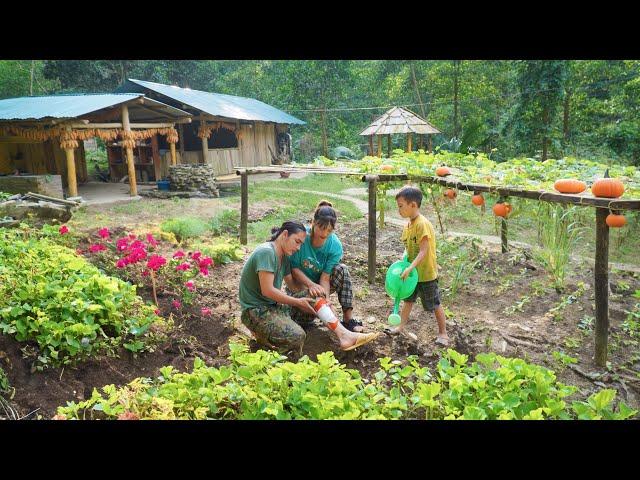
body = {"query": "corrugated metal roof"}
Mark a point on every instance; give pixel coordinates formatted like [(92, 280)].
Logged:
[(399, 120), (219, 104), (73, 106)]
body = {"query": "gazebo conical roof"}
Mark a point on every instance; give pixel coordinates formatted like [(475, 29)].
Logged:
[(399, 120)]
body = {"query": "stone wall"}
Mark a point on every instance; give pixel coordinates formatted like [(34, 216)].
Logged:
[(193, 178), (50, 185)]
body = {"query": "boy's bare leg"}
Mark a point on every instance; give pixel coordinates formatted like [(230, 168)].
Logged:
[(441, 318), (404, 318)]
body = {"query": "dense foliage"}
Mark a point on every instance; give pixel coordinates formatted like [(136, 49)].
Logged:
[(66, 307), (582, 108), (262, 385)]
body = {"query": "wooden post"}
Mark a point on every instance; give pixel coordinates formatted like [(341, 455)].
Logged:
[(205, 141), (371, 145), (379, 146), (389, 146), (503, 235), (244, 206), (181, 139), (429, 143), (72, 182), (133, 187), (409, 138), (372, 179), (602, 286), (172, 148)]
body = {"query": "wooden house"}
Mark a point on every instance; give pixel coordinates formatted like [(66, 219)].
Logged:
[(227, 131)]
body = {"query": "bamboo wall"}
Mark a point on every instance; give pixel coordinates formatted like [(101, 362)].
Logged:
[(39, 158), (252, 151)]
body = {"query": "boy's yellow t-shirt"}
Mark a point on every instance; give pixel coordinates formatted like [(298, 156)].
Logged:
[(412, 234)]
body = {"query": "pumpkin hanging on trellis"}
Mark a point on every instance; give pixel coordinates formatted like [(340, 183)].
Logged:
[(477, 199), (615, 219), (502, 208)]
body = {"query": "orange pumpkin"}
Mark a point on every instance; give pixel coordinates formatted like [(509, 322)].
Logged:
[(569, 185), (502, 209), (450, 193), (615, 220), (443, 171), (607, 187), (477, 200)]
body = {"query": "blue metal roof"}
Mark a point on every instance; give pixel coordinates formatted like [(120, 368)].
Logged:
[(59, 106), (220, 105)]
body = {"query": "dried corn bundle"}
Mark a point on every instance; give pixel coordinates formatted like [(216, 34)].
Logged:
[(172, 135)]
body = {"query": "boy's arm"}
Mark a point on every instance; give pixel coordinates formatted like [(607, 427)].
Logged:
[(424, 248)]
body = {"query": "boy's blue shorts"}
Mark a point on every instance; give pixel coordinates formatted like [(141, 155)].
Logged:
[(429, 293)]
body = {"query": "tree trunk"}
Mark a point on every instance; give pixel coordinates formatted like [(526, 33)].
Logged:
[(415, 87), (545, 135), (456, 82), (325, 148), (565, 118)]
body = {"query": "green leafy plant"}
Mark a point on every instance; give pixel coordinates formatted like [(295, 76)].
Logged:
[(222, 251), (185, 227), (226, 222)]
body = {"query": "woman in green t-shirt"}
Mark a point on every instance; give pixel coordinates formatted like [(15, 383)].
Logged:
[(266, 308)]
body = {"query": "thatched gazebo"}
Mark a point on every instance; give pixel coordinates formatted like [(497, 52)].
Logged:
[(399, 120)]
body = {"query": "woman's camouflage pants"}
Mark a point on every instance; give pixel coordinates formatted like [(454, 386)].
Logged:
[(280, 326)]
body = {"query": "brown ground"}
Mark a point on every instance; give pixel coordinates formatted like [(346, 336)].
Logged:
[(477, 323)]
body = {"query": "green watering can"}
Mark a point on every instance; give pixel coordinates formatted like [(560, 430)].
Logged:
[(397, 288)]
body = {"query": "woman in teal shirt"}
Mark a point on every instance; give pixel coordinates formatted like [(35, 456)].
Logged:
[(266, 308), (316, 267)]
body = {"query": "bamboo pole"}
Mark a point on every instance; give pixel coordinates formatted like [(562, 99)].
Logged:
[(503, 235), (409, 138), (205, 141), (389, 145), (172, 148), (72, 182), (244, 206), (602, 287), (133, 188), (379, 146), (371, 261), (371, 145)]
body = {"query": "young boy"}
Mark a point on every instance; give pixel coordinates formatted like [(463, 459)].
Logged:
[(420, 243)]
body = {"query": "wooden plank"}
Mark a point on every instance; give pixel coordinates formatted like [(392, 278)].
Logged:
[(586, 201), (244, 207), (601, 272), (371, 255)]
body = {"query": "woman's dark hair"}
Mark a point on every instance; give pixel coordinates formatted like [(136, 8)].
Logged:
[(325, 214), (291, 227)]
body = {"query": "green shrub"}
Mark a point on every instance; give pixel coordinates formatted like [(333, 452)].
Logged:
[(183, 228), (52, 297), (262, 385), (223, 251), (226, 222), (4, 381)]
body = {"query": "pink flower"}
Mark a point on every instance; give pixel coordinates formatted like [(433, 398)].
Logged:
[(157, 311), (156, 261), (204, 271), (176, 304), (190, 285), (104, 232), (132, 236), (151, 240), (196, 255), (205, 311), (96, 247), (63, 229), (205, 262), (183, 266), (122, 244), (178, 254), (121, 263), (145, 273)]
